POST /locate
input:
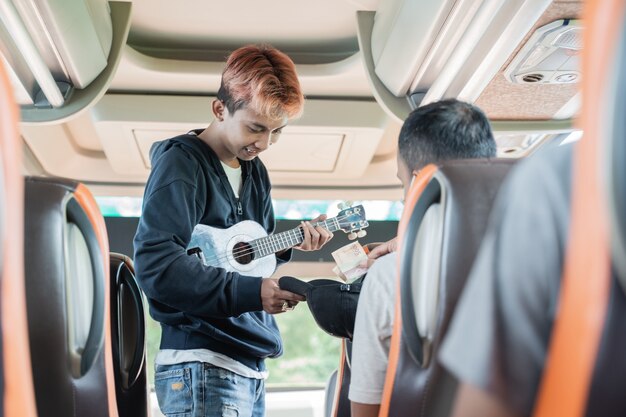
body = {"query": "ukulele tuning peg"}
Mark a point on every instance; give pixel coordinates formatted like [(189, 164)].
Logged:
[(349, 203), (352, 236), (342, 206), (361, 233)]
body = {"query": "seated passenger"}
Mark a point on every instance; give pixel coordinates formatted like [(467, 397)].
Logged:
[(498, 339), (445, 130)]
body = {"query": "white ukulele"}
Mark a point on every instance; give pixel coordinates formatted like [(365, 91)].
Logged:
[(246, 246)]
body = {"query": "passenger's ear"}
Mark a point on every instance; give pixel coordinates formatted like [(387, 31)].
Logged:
[(414, 175), (218, 109)]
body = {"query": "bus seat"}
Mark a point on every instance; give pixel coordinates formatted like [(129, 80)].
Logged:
[(16, 385), (605, 396), (128, 330), (336, 399), (67, 272), (440, 232), (583, 375), (329, 390)]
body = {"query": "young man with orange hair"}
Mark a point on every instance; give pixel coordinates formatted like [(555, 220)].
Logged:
[(217, 327)]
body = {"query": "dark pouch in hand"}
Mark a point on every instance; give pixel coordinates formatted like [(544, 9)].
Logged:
[(332, 303)]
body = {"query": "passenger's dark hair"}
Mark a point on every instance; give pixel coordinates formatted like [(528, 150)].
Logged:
[(444, 130)]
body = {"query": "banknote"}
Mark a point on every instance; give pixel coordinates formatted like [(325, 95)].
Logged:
[(340, 274), (349, 259)]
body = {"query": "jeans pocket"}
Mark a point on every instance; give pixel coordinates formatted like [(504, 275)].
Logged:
[(230, 411), (173, 390)]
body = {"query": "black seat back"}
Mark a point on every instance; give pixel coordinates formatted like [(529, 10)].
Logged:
[(337, 403), (441, 236), (66, 280), (128, 330)]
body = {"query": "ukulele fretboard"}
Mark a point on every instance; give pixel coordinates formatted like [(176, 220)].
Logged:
[(280, 241)]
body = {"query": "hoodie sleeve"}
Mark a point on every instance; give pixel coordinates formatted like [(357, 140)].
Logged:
[(169, 276)]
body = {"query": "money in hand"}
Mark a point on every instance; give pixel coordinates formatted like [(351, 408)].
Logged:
[(348, 259)]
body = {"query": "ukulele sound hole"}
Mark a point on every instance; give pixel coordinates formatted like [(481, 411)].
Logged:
[(243, 253)]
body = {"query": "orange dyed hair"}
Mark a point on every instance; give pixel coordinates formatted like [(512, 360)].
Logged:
[(264, 79)]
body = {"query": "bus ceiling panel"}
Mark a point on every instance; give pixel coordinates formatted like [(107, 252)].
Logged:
[(62, 54), (463, 52), (333, 140)]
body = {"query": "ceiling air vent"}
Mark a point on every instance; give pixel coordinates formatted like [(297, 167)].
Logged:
[(532, 78), (551, 55)]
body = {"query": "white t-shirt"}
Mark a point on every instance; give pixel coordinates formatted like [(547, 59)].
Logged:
[(372, 332), (173, 357), (234, 177)]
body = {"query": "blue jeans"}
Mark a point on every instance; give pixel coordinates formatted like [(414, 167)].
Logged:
[(196, 389)]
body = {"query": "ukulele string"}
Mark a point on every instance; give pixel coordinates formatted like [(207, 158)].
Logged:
[(242, 252), (247, 251)]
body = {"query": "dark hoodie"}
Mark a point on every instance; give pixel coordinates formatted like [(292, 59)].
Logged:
[(198, 306)]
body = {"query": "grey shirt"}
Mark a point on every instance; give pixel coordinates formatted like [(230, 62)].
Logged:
[(500, 331), (373, 327)]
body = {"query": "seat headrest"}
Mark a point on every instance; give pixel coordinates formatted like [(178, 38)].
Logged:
[(66, 293), (442, 236), (441, 230)]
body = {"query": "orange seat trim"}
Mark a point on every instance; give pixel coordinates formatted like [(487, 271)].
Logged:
[(416, 190), (337, 397), (88, 203)]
